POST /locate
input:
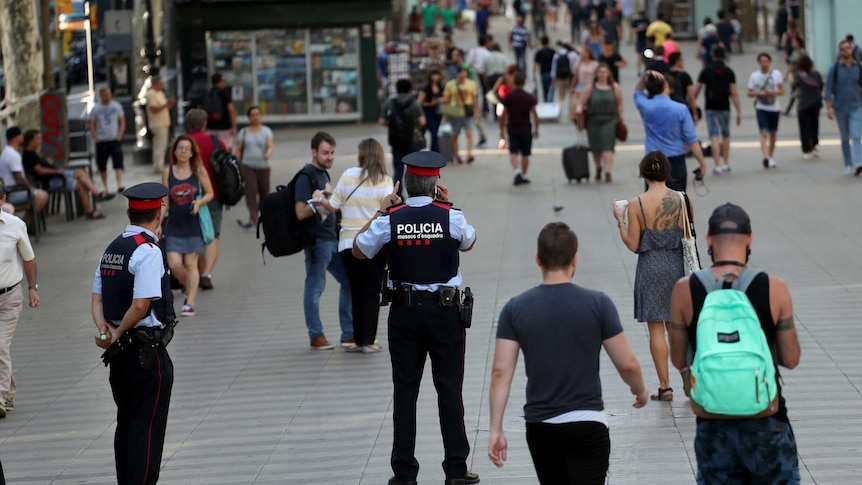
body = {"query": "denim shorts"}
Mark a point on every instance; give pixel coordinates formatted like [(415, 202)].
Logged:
[(761, 451), (768, 120), (184, 245), (461, 123), (718, 122), (58, 183)]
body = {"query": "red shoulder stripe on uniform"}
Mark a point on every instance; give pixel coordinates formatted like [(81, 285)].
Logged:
[(442, 205), (396, 207), (139, 239)]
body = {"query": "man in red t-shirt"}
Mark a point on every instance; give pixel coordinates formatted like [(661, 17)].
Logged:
[(518, 106), (196, 124)]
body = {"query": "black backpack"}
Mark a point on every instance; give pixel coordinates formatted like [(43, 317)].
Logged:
[(228, 174), (720, 91), (213, 106), (564, 66), (401, 125), (283, 233)]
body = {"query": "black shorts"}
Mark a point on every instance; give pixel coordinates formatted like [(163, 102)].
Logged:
[(109, 149), (520, 142)]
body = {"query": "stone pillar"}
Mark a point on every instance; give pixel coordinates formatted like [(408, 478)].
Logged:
[(22, 55)]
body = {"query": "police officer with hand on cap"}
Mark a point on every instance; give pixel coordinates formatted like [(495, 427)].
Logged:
[(422, 239), (133, 310)]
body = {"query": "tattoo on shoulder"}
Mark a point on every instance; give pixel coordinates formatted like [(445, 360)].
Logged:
[(678, 326), (785, 324), (667, 214)]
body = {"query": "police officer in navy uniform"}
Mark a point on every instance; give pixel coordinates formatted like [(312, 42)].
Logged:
[(133, 310), (422, 239)]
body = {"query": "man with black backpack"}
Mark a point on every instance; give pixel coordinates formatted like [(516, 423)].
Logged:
[(321, 250), (720, 82), (563, 67), (733, 318), (404, 118), (221, 114), (196, 124)]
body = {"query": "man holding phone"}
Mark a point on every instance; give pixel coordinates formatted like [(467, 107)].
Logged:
[(423, 238)]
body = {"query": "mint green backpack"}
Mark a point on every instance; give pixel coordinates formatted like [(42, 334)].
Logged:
[(733, 372)]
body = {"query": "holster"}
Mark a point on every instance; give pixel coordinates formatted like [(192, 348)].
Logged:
[(148, 342), (168, 332), (403, 295)]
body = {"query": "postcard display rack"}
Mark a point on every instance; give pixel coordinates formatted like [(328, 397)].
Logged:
[(410, 60), (290, 74)]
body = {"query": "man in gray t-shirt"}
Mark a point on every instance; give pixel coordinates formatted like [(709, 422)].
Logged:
[(561, 328), (107, 125)]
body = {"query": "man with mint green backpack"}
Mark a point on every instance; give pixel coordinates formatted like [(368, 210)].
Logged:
[(731, 327)]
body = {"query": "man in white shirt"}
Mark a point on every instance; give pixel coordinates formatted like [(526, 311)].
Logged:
[(13, 241), (12, 172), (766, 84)]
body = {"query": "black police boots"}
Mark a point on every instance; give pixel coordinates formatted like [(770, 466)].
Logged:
[(468, 479)]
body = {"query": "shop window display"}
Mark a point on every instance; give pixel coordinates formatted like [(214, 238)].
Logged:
[(290, 73)]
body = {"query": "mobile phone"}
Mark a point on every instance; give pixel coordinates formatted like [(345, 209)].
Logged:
[(435, 192)]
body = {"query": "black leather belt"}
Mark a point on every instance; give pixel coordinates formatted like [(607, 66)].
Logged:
[(8, 289)]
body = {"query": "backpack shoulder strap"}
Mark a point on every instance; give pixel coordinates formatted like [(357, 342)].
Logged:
[(709, 283), (743, 281)]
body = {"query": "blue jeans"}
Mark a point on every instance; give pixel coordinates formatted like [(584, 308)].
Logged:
[(320, 257), (546, 86), (850, 125)]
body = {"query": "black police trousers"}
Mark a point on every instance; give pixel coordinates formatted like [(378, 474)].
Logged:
[(142, 398), (427, 329)]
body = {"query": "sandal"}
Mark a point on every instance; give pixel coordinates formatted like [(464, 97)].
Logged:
[(459, 160), (95, 215), (664, 394), (470, 159), (598, 174)]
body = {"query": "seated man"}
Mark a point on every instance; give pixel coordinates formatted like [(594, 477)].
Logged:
[(53, 179), (12, 173)]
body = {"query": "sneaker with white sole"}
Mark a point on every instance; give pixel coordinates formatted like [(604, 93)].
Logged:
[(815, 152), (771, 163), (9, 404), (725, 168), (807, 156), (848, 170), (2, 411), (188, 311), (717, 171)]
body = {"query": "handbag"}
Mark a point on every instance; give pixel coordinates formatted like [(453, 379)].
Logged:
[(622, 131), (690, 258), (450, 110), (206, 221)]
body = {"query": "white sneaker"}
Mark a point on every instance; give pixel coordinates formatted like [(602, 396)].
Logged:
[(726, 168), (771, 163), (717, 171), (815, 152), (807, 156), (848, 170)]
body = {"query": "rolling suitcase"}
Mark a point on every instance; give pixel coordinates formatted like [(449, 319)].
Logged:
[(445, 142), (576, 160)]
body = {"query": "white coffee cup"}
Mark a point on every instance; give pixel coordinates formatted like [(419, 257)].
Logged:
[(621, 204)]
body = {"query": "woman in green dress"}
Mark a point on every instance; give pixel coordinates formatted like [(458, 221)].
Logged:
[(603, 101)]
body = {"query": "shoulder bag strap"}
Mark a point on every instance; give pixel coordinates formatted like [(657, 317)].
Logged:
[(685, 221), (352, 191)]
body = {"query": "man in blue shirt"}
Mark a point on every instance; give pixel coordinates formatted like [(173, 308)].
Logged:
[(844, 104), (669, 127)]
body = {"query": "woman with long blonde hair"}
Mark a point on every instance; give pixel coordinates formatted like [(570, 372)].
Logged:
[(186, 180), (357, 195)]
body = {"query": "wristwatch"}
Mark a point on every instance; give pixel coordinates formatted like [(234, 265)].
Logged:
[(34, 287)]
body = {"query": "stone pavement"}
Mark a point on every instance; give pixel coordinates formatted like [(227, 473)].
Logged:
[(253, 405)]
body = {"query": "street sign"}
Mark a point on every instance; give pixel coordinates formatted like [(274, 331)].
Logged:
[(118, 22), (63, 6)]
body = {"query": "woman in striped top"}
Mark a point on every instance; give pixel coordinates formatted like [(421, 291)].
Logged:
[(358, 194)]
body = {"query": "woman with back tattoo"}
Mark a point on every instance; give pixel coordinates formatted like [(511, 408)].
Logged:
[(654, 231)]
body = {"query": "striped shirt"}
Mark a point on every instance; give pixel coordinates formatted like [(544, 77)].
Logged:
[(361, 206)]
